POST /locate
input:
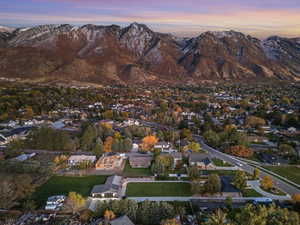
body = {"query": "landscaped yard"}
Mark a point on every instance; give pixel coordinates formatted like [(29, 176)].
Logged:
[(57, 185), (290, 172), (158, 189), (220, 163), (220, 172), (136, 172), (251, 193)]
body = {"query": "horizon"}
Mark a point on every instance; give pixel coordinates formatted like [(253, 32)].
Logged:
[(260, 19)]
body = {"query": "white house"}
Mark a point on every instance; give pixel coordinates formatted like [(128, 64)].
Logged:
[(77, 159)]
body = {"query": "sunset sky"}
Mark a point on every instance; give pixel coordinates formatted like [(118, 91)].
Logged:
[(260, 18)]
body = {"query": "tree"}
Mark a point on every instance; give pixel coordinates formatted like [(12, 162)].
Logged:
[(254, 121), (28, 112), (166, 160), (108, 114), (186, 133), (213, 184), (29, 205), (286, 150), (197, 187), (108, 144), (240, 180), (217, 218), (194, 146), (127, 145), (193, 173), (212, 138), (158, 168), (98, 148), (88, 138), (75, 202), (240, 151), (256, 174), (267, 183), (173, 221), (149, 142), (109, 215)]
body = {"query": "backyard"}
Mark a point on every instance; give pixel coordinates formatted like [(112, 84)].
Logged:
[(57, 185), (136, 172), (290, 172), (158, 189)]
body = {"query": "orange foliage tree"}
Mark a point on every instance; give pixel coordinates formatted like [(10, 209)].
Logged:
[(107, 144), (240, 151), (149, 142)]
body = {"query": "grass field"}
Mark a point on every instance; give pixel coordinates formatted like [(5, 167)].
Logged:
[(133, 172), (57, 185), (220, 163), (290, 172), (251, 193), (158, 189)]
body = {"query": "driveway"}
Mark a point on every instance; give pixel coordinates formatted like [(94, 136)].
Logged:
[(255, 184)]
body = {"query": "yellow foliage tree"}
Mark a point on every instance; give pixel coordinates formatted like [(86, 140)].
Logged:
[(75, 202), (149, 142), (267, 182), (170, 222)]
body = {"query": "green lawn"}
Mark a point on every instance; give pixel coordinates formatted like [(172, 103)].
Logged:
[(220, 163), (251, 193), (220, 172), (57, 185), (290, 172), (158, 189), (133, 172)]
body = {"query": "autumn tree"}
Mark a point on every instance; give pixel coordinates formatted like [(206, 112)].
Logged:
[(254, 121), (213, 184), (194, 146), (173, 221), (267, 183), (193, 173), (109, 215), (149, 142), (240, 151), (108, 144), (75, 202), (256, 174), (240, 180)]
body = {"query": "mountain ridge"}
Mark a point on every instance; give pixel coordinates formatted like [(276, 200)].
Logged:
[(136, 54)]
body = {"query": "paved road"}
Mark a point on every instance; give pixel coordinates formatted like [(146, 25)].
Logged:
[(289, 189), (284, 186)]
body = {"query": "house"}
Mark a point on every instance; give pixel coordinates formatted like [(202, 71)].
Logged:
[(24, 157), (18, 133), (55, 202), (143, 161), (75, 160), (109, 190), (3, 140), (201, 160), (123, 220), (162, 145), (177, 156), (228, 189), (110, 162)]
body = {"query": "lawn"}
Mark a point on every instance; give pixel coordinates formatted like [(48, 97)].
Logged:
[(57, 185), (220, 163), (251, 193), (158, 189), (136, 172), (290, 172), (220, 172)]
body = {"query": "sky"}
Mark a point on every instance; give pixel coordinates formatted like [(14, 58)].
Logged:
[(260, 18)]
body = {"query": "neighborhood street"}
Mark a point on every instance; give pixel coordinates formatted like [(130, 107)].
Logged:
[(287, 188)]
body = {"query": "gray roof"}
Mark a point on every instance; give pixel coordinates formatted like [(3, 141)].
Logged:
[(112, 184), (123, 220), (199, 157)]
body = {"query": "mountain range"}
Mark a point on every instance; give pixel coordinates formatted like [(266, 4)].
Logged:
[(136, 54)]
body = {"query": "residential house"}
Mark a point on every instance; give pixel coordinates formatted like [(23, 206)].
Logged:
[(24, 157), (201, 160), (110, 162), (3, 140), (142, 161), (123, 220), (228, 189), (109, 190), (17, 133), (75, 160), (164, 146)]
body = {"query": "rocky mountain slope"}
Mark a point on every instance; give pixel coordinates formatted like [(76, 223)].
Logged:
[(136, 54)]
